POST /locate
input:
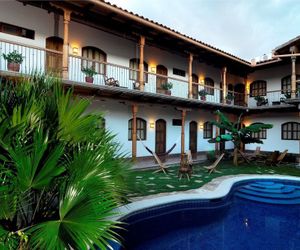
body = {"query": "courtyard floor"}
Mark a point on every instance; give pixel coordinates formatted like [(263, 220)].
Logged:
[(146, 182)]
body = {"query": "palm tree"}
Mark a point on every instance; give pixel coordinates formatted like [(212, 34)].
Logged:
[(61, 174), (236, 133)]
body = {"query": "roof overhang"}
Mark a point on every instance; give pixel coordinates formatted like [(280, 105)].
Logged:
[(110, 18)]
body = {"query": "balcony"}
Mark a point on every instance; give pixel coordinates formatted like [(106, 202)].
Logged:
[(49, 61)]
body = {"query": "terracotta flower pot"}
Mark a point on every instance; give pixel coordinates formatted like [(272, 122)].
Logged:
[(203, 98), (168, 92), (89, 79), (229, 102), (13, 67)]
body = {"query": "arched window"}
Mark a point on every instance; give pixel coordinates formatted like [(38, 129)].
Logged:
[(141, 129), (195, 81), (207, 130), (262, 134), (161, 70), (286, 84), (209, 85), (95, 57), (290, 131), (134, 73), (258, 88)]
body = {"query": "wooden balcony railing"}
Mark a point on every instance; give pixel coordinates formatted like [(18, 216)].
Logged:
[(50, 61)]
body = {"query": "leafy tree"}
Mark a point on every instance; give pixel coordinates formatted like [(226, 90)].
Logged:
[(61, 175), (237, 134)]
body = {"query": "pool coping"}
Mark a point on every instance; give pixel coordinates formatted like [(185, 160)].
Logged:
[(217, 188)]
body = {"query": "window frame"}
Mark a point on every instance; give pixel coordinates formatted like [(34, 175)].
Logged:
[(261, 90), (98, 65), (207, 130), (262, 135), (141, 128), (294, 132), (134, 70), (209, 86)]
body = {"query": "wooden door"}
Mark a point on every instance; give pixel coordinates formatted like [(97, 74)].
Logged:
[(54, 60), (160, 136), (195, 90), (193, 138), (239, 95), (161, 70), (222, 144)]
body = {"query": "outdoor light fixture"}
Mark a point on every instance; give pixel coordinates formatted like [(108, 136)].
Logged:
[(153, 69), (201, 125), (75, 50), (151, 124)]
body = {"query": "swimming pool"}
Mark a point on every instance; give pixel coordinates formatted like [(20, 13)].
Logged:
[(256, 214)]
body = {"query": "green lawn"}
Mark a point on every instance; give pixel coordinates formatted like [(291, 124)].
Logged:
[(146, 182)]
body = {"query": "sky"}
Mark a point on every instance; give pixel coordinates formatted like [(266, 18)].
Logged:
[(245, 28)]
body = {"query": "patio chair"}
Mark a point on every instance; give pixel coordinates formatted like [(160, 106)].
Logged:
[(185, 168), (110, 81), (212, 168), (253, 156), (281, 157), (272, 159)]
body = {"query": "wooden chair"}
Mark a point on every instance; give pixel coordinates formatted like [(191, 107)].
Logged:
[(281, 157), (253, 156), (212, 168), (185, 168), (111, 81), (272, 159)]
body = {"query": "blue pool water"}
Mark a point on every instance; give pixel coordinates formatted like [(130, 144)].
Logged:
[(254, 215)]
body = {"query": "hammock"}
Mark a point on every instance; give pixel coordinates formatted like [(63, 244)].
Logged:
[(160, 154), (162, 166)]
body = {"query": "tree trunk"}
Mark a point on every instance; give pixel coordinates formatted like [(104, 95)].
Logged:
[(235, 156)]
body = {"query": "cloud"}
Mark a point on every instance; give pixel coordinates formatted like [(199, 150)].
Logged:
[(244, 28)]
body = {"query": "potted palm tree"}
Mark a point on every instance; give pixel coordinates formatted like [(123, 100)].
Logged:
[(229, 98), (202, 94), (89, 74), (167, 86), (14, 60)]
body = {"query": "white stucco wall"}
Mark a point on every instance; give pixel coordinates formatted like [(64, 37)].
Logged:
[(274, 141), (117, 113)]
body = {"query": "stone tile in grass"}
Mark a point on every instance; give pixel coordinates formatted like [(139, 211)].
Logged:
[(151, 178), (151, 191), (170, 186), (183, 186), (139, 177), (198, 181), (165, 178), (150, 184)]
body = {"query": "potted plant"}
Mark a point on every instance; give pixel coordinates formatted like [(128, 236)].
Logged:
[(260, 100), (89, 74), (229, 98), (14, 59), (167, 86), (287, 95), (202, 94)]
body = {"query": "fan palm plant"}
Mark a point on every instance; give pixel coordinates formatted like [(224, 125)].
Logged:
[(61, 175)]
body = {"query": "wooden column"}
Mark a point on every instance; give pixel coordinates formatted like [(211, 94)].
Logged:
[(65, 63), (293, 77), (183, 115), (134, 137), (190, 94), (224, 82), (246, 91), (141, 64)]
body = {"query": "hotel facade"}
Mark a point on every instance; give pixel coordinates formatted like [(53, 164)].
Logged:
[(137, 61)]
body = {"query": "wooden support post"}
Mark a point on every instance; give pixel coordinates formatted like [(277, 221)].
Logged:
[(141, 64), (65, 63), (134, 137), (183, 115), (224, 82), (293, 77), (190, 95), (246, 91)]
